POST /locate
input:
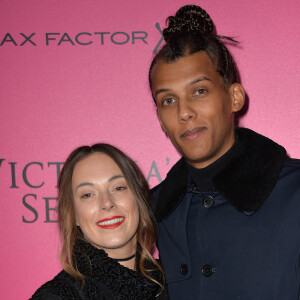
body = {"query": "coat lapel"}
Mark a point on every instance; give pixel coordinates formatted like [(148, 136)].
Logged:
[(245, 180)]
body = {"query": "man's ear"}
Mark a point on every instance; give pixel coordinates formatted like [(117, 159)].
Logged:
[(160, 122), (237, 95)]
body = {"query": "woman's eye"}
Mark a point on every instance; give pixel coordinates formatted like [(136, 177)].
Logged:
[(168, 101), (120, 188), (86, 195)]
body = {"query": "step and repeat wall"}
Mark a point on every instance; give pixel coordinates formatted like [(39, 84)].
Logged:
[(75, 72)]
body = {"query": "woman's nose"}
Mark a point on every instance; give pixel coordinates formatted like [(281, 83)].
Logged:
[(107, 202)]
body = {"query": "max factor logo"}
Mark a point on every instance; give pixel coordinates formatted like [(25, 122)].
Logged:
[(81, 38), (157, 26)]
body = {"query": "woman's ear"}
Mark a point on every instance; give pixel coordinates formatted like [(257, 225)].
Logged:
[(237, 94)]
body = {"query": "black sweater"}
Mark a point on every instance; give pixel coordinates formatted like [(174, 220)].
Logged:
[(106, 279)]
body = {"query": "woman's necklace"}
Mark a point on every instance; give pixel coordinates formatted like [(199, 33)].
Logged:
[(125, 259)]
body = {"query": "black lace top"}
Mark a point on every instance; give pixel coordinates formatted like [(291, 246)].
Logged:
[(105, 279)]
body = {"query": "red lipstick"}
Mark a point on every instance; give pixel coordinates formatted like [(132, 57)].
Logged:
[(111, 223)]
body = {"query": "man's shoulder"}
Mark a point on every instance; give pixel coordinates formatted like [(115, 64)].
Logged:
[(172, 172), (165, 193), (292, 164), (155, 190), (154, 194), (291, 167)]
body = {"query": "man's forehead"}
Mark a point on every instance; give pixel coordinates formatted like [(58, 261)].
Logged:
[(189, 69)]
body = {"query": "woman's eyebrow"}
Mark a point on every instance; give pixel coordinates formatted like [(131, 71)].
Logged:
[(91, 184), (115, 177), (84, 184)]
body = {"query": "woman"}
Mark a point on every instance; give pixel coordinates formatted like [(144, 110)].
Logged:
[(106, 228)]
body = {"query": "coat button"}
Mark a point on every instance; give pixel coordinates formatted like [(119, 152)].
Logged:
[(207, 270), (184, 269), (208, 202)]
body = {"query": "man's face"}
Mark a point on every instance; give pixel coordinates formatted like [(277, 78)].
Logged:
[(194, 107)]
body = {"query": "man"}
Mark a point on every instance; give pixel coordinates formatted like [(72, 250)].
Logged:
[(229, 210)]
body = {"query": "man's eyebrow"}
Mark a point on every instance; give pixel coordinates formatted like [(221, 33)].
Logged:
[(161, 91), (199, 79), (190, 83), (91, 184)]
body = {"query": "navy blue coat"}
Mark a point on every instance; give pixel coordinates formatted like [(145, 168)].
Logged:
[(241, 242)]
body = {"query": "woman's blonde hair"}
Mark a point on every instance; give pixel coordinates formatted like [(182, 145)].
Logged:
[(70, 233)]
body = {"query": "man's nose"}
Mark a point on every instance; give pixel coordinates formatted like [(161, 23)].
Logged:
[(185, 110)]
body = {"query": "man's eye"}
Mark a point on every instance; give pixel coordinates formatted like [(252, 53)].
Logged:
[(168, 101), (200, 92)]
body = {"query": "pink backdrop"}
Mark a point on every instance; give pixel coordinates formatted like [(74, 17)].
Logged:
[(69, 83)]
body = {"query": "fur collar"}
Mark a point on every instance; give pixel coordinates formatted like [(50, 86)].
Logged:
[(95, 264), (245, 180), (105, 278)]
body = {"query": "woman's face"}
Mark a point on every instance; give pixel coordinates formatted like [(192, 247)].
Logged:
[(105, 207)]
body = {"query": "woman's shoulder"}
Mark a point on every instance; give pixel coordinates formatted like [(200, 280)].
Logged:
[(62, 286)]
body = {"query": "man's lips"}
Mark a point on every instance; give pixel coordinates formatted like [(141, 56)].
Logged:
[(111, 223), (192, 133)]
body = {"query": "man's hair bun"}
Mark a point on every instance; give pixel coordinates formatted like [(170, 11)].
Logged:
[(189, 18)]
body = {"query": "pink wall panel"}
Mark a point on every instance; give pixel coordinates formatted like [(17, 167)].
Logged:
[(58, 96)]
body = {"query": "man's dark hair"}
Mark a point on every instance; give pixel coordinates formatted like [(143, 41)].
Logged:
[(191, 30)]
